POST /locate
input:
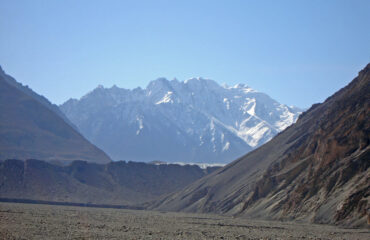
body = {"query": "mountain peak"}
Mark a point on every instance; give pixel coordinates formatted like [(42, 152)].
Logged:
[(198, 79), (201, 83), (158, 87), (178, 117), (161, 80), (158, 83)]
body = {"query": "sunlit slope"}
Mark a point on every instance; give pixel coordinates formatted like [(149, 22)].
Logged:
[(316, 170)]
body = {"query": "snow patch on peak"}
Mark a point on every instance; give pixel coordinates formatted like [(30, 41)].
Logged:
[(226, 146), (141, 125), (193, 79), (240, 85), (252, 107), (166, 99), (227, 103)]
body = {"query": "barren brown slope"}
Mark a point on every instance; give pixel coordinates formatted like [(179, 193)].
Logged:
[(28, 129), (316, 170)]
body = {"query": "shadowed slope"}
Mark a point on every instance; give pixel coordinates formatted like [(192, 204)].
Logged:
[(117, 183), (29, 129)]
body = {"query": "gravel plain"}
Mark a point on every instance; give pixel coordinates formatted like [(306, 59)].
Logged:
[(33, 221)]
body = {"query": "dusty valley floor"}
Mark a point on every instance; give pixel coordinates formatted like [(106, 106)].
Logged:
[(31, 221)]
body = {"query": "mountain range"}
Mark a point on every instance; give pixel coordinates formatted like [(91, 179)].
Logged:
[(44, 158), (196, 120), (32, 127), (316, 170)]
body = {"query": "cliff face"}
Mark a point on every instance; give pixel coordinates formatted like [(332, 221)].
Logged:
[(316, 170)]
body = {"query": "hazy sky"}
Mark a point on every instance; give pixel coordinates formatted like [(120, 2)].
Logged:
[(298, 52)]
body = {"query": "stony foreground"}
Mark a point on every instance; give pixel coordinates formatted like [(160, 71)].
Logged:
[(31, 221)]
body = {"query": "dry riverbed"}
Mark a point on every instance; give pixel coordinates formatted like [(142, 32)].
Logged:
[(32, 221)]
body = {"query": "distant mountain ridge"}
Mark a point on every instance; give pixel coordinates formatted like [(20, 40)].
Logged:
[(32, 127), (196, 120)]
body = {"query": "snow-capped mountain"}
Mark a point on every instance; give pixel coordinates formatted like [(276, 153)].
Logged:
[(196, 120)]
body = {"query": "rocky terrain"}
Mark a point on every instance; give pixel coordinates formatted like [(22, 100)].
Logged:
[(317, 170), (115, 183), (29, 221), (196, 120), (31, 127)]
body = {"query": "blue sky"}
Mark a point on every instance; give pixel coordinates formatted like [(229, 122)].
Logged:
[(298, 52)]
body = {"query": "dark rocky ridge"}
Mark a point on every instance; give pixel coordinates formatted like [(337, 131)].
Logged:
[(316, 170), (117, 183), (30, 127), (41, 99)]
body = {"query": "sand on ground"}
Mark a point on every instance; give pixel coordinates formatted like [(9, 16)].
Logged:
[(33, 221)]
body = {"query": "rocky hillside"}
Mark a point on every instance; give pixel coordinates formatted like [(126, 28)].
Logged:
[(316, 170), (120, 183), (31, 127), (41, 99), (192, 121)]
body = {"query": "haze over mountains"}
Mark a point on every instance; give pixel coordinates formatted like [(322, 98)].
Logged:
[(31, 127), (316, 170), (192, 121)]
